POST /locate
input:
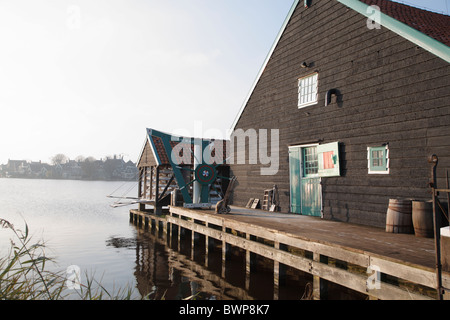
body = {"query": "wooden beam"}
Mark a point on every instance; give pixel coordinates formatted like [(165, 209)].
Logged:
[(157, 186), (167, 187)]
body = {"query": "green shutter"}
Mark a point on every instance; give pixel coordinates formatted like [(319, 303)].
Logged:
[(329, 160)]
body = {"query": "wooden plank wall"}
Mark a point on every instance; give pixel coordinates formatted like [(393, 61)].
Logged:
[(147, 159), (391, 92)]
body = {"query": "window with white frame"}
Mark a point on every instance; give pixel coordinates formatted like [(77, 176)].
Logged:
[(378, 160), (307, 90)]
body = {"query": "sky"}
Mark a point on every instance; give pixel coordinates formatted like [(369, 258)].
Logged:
[(87, 77)]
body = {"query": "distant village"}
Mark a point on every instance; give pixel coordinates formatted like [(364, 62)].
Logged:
[(113, 168)]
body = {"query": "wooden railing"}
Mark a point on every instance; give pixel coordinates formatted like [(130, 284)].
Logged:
[(284, 248)]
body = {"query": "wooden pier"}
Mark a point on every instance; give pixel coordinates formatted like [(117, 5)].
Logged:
[(364, 259)]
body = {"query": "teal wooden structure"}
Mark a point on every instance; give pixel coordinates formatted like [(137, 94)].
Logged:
[(205, 171)]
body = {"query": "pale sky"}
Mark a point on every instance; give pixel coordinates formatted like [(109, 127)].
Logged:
[(87, 77)]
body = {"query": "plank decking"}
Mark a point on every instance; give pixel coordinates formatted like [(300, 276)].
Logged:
[(269, 234)]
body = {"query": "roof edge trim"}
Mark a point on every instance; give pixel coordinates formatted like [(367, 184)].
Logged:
[(426, 42), (152, 145)]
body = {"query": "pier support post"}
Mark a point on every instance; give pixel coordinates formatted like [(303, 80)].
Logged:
[(224, 255), (320, 287), (206, 247), (279, 273), (179, 238), (445, 255), (250, 262), (276, 275), (169, 234), (225, 251), (192, 245)]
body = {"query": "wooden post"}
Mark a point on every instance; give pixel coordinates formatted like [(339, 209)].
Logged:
[(169, 234), (276, 275), (433, 160), (141, 183), (279, 273), (192, 245), (157, 209), (225, 251), (206, 247), (250, 263), (445, 255), (164, 224), (224, 254), (179, 238), (320, 287), (150, 193), (247, 265)]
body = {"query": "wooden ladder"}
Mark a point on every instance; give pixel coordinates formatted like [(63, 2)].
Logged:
[(267, 201)]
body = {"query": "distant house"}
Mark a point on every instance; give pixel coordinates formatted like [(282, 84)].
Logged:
[(17, 168), (40, 170), (130, 171), (361, 98), (3, 171), (117, 169), (71, 170)]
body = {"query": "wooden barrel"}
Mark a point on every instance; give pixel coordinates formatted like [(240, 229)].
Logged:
[(422, 215), (399, 216)]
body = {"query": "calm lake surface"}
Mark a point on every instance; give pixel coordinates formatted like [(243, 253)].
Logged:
[(75, 220), (79, 227)]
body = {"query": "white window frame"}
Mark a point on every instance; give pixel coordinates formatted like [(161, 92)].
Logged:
[(369, 159), (308, 88)]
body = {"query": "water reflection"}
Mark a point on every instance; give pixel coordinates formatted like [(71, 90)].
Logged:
[(163, 273), (166, 269)]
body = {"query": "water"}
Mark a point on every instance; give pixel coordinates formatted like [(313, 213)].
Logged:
[(80, 228), (75, 220)]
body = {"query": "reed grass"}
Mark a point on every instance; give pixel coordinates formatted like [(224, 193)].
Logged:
[(24, 274)]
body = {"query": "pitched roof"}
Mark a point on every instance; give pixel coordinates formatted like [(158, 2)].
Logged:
[(427, 29), (430, 23), (181, 157), (421, 27), (180, 145)]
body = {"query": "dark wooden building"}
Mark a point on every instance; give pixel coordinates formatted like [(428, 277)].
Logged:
[(361, 98)]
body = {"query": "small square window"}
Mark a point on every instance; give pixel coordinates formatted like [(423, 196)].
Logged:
[(307, 90), (378, 158)]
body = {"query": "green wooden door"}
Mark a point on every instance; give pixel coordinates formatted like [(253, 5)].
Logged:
[(306, 196), (295, 178), (310, 183)]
